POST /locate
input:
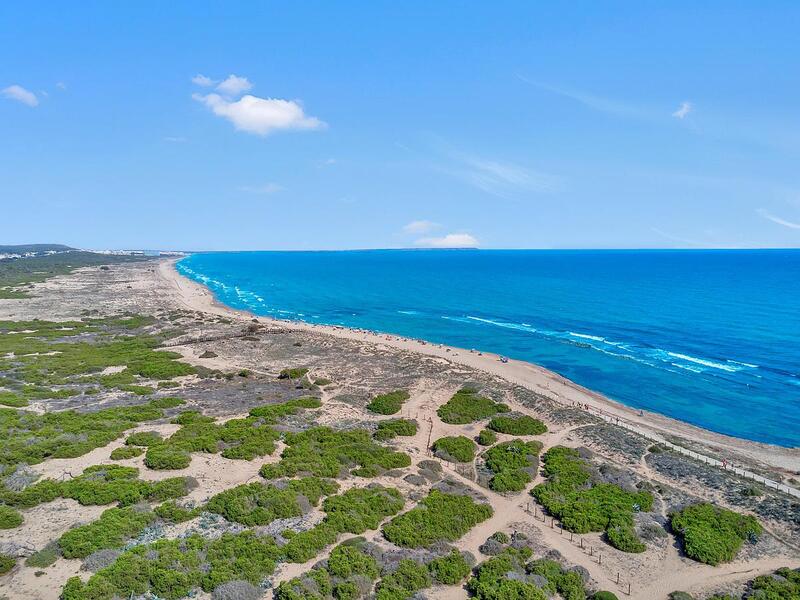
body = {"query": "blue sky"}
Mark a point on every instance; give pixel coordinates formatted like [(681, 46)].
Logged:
[(387, 124)]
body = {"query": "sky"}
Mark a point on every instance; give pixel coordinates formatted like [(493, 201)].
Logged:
[(342, 125)]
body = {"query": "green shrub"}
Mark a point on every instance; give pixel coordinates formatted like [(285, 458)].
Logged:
[(126, 452), (450, 569), (144, 438), (388, 404), (466, 406), (324, 452), (487, 437), (509, 461), (391, 428), (9, 518), (172, 512), (582, 508), (455, 449), (491, 580), (408, 578), (438, 517), (293, 373), (259, 504), (521, 425), (189, 417), (603, 595), (12, 400), (44, 557), (6, 563), (624, 538), (111, 530), (786, 586), (711, 534), (167, 401), (164, 458)]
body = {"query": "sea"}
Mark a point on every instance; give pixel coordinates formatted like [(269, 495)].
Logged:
[(709, 337)]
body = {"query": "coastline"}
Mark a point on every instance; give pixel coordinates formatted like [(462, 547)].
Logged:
[(656, 427)]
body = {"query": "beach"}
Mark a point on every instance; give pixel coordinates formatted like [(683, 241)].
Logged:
[(626, 446)]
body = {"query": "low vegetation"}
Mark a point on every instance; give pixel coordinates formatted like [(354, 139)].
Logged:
[(388, 404), (583, 506), (391, 428), (467, 406), (487, 437), (711, 534), (114, 527), (438, 517), (126, 452), (455, 449), (9, 518), (324, 452), (517, 425), (6, 563), (513, 464), (293, 373)]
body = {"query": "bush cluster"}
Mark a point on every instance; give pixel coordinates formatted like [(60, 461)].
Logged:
[(389, 403), (518, 425), (126, 452), (324, 452), (408, 577), (455, 449), (6, 563), (171, 569), (511, 462), (582, 507), (492, 579), (355, 511), (98, 485), (114, 527), (9, 518), (487, 437), (260, 504), (292, 373), (712, 534), (391, 428), (466, 406), (438, 517)]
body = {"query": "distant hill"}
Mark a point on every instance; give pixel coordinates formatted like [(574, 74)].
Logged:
[(36, 248)]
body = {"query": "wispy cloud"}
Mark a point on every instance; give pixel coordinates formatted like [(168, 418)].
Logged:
[(420, 227), (778, 220), (684, 109), (451, 240), (174, 139), (202, 80), (599, 103), (61, 85), (267, 188), (20, 94), (502, 179)]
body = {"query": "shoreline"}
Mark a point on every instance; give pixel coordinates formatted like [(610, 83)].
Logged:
[(654, 426)]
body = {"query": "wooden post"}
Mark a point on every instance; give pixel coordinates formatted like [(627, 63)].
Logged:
[(617, 577), (629, 588)]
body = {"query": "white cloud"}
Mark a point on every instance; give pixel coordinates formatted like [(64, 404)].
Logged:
[(503, 179), (20, 94), (234, 86), (267, 188), (419, 227), (202, 80), (451, 240), (683, 111), (260, 116), (599, 103), (174, 139), (778, 220), (61, 85)]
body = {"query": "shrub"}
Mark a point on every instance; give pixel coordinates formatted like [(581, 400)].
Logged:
[(487, 437), (582, 507), (126, 452), (163, 458), (111, 530), (167, 401), (455, 449), (292, 373), (6, 563), (603, 595), (393, 427), (623, 537), (450, 569), (521, 425), (409, 577), (172, 512), (12, 400), (144, 438), (711, 534), (323, 452), (9, 518), (492, 579), (511, 462), (388, 404), (438, 517), (466, 406), (237, 590), (44, 557)]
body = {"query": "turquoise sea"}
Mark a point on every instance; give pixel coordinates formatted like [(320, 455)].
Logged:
[(707, 337)]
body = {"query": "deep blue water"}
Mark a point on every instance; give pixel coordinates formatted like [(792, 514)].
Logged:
[(708, 337)]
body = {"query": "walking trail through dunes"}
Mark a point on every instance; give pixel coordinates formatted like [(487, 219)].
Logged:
[(249, 402)]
